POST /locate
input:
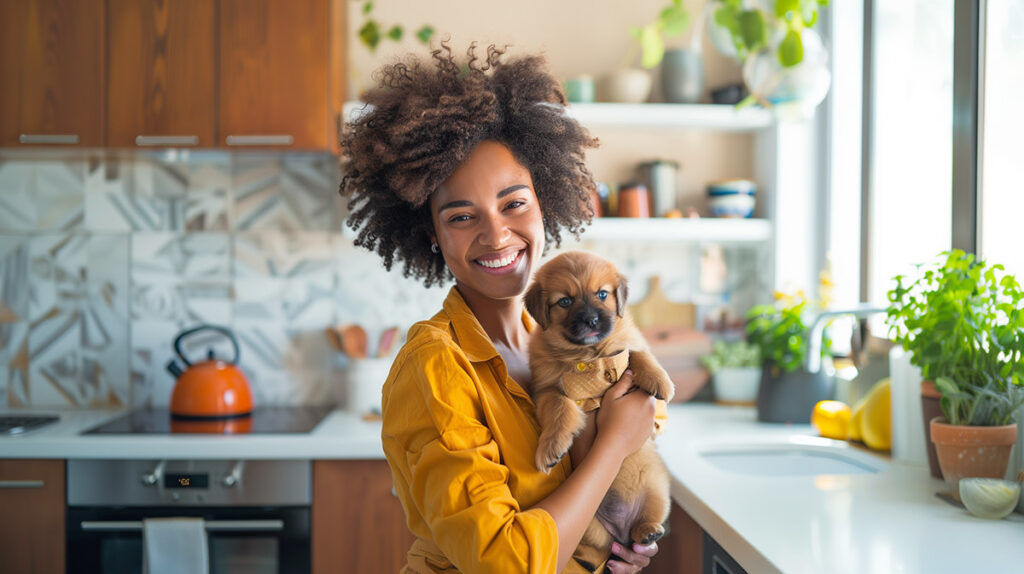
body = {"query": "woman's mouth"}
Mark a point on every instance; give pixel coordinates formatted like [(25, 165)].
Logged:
[(502, 264)]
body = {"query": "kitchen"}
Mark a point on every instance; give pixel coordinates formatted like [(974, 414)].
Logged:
[(169, 165)]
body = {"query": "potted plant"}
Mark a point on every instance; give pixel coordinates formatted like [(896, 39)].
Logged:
[(633, 85), (735, 371), (785, 63), (788, 392), (963, 323)]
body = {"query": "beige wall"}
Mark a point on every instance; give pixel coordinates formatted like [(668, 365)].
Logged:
[(577, 37)]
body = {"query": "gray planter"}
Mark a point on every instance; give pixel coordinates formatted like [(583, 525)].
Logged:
[(682, 76), (790, 397)]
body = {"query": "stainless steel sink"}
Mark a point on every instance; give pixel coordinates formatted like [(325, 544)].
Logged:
[(814, 457), (18, 424)]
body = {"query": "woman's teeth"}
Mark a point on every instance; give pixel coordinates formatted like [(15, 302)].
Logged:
[(496, 263)]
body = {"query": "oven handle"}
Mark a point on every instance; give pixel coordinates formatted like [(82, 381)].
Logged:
[(211, 525)]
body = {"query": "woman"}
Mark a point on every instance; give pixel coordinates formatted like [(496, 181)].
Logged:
[(467, 172)]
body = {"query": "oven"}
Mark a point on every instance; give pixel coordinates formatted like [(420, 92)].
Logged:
[(256, 512)]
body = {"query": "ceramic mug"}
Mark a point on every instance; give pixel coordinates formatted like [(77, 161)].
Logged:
[(580, 89)]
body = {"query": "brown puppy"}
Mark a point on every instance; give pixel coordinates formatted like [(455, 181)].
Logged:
[(584, 342)]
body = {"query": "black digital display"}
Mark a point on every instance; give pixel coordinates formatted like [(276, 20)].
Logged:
[(187, 480)]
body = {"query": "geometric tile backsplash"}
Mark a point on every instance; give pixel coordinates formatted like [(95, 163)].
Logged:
[(104, 261)]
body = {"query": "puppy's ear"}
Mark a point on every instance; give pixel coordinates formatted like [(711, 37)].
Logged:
[(536, 306), (621, 293)]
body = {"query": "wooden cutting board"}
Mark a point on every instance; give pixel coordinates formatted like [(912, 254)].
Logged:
[(656, 309)]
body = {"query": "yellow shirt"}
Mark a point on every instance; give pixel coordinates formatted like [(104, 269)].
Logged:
[(460, 436)]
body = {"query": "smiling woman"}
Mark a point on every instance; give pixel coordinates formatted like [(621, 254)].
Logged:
[(466, 172)]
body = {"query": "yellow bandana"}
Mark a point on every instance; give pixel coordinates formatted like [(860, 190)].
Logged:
[(587, 381)]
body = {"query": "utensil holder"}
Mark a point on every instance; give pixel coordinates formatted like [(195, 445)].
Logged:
[(364, 381)]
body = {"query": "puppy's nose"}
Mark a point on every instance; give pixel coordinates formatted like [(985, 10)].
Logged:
[(592, 321)]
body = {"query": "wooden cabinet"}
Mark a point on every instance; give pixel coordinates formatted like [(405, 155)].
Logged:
[(51, 72), (275, 59), (161, 66), (32, 516), (681, 550), (358, 524)]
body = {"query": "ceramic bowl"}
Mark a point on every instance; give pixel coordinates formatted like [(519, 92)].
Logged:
[(732, 198)]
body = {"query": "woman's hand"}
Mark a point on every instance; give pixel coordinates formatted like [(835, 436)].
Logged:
[(626, 419), (632, 559)]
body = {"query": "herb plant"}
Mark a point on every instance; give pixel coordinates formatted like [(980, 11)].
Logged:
[(781, 332), (750, 28), (963, 322), (671, 21), (726, 355), (372, 32)]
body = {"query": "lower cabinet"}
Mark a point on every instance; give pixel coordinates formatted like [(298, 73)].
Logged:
[(32, 516), (358, 524), (681, 550)]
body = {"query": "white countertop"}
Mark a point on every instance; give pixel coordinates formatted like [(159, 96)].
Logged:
[(890, 521)]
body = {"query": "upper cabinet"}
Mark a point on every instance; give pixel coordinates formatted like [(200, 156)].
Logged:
[(273, 73), (196, 73), (161, 65), (51, 72)]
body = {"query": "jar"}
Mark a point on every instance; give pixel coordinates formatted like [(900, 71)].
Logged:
[(634, 200)]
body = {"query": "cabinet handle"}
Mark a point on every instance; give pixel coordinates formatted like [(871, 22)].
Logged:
[(211, 525), (166, 140), (22, 484), (260, 140), (66, 139)]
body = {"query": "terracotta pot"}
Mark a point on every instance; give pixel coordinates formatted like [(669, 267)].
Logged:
[(931, 408), (972, 451)]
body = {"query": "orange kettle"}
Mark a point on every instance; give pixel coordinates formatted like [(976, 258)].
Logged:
[(210, 389)]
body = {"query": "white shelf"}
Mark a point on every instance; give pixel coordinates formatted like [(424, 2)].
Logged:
[(672, 116), (724, 230), (662, 116)]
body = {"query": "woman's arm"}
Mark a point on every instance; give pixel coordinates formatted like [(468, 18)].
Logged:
[(624, 422)]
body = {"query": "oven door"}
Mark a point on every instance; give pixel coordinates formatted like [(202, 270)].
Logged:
[(250, 540)]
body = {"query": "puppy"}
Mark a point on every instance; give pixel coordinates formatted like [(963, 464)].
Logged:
[(584, 342)]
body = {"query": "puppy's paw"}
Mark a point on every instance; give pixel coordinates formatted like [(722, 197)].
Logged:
[(655, 383), (647, 532), (551, 450)]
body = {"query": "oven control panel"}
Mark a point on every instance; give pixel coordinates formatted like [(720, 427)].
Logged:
[(189, 482)]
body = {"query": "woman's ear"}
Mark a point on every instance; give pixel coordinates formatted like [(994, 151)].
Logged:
[(536, 306), (621, 294)]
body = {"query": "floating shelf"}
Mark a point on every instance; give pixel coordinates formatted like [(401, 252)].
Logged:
[(661, 116), (672, 116), (724, 230)]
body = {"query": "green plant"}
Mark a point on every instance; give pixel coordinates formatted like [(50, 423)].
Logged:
[(737, 354), (781, 332), (372, 32), (751, 28), (671, 22), (963, 322)]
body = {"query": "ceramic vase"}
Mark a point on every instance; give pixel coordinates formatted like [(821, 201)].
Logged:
[(736, 385), (629, 86), (682, 76), (972, 451), (790, 397)]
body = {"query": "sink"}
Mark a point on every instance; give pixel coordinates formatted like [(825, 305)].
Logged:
[(809, 457)]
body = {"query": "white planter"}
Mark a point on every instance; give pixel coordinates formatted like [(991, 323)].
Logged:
[(629, 86), (736, 385), (364, 380)]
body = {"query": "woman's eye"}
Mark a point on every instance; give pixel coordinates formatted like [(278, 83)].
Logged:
[(458, 218), (564, 302), (514, 204), (602, 294)]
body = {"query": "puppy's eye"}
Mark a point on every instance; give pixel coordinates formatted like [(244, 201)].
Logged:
[(602, 294), (564, 302)]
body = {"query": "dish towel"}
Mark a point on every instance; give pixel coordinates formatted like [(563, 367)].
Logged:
[(175, 546)]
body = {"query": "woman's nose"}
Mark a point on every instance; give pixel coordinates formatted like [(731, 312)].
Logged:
[(494, 231)]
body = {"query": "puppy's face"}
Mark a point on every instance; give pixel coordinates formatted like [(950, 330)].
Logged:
[(579, 296)]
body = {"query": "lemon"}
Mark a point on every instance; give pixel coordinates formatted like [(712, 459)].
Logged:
[(876, 417), (854, 432), (831, 418), (989, 497)]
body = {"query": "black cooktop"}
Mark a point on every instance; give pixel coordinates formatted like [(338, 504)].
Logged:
[(263, 420)]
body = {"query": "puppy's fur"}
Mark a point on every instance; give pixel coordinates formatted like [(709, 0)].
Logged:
[(579, 302)]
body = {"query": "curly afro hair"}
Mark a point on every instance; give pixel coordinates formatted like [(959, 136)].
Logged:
[(423, 121)]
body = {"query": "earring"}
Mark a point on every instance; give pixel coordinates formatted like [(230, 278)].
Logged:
[(434, 248)]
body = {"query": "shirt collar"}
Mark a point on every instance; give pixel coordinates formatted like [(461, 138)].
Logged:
[(469, 332)]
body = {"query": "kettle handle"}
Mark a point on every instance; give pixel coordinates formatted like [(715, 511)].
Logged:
[(222, 330)]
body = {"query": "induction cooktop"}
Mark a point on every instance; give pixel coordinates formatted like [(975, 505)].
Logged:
[(263, 420)]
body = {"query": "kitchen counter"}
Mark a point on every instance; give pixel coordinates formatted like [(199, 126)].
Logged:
[(890, 521)]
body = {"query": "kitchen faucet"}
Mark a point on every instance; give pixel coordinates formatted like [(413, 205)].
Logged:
[(818, 329)]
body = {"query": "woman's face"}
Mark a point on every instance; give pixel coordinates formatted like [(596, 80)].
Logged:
[(489, 224)]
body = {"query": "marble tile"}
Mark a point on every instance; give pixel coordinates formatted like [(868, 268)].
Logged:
[(78, 315), (40, 196), (149, 193), (286, 194), (181, 278)]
